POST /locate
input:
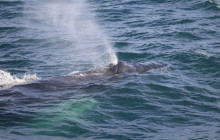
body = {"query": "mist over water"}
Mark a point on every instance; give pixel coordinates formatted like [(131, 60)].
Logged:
[(73, 21)]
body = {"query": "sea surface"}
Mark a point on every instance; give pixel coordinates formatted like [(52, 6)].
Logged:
[(40, 39)]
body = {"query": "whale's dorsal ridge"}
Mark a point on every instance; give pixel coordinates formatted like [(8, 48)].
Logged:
[(124, 67)]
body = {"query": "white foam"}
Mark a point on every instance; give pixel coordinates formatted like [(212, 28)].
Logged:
[(73, 73), (7, 79)]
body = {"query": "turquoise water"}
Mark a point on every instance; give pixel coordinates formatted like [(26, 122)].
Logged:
[(47, 38)]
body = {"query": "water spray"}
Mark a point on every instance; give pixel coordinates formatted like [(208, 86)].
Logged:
[(76, 23)]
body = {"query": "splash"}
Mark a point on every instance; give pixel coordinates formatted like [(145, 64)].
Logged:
[(74, 21), (7, 80)]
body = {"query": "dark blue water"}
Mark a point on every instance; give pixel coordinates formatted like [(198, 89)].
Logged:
[(42, 39)]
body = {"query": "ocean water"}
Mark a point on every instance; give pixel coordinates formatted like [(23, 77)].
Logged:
[(40, 39)]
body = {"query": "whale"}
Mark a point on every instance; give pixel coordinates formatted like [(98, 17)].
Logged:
[(57, 94), (124, 67), (82, 78)]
